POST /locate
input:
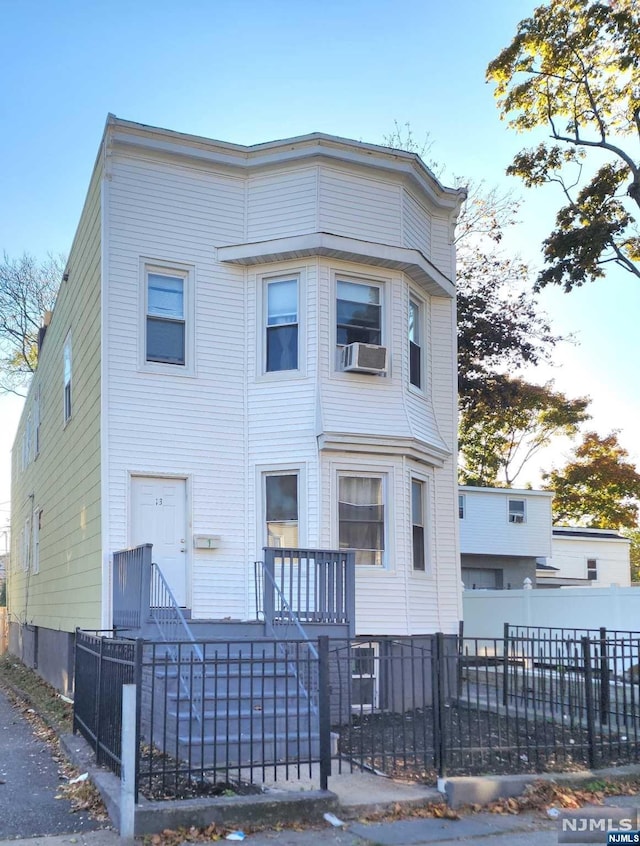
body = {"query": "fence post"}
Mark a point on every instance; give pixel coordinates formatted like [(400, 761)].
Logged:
[(269, 587), (505, 670), (588, 698), (128, 758), (605, 692), (145, 584), (137, 679), (439, 699), (324, 711), (98, 701)]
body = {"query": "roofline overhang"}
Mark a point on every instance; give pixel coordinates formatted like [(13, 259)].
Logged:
[(384, 445), (124, 133), (411, 262)]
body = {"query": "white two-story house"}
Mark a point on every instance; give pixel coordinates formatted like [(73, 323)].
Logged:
[(507, 536), (252, 346)]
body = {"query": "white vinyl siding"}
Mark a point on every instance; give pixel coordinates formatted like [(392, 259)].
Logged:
[(281, 204), (416, 224), (359, 207)]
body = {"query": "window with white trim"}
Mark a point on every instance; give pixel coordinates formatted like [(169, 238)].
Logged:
[(281, 509), (358, 312), (416, 321), (592, 569), (364, 676), (165, 332), (37, 525), (517, 512), (462, 504), (26, 547), (36, 423), (361, 517), (282, 324), (68, 378), (418, 511)]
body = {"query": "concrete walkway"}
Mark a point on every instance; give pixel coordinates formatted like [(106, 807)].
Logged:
[(29, 782)]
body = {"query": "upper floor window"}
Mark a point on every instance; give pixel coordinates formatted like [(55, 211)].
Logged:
[(415, 343), (282, 325), (165, 319), (68, 378), (517, 513), (359, 313), (361, 517), (461, 506), (418, 524), (281, 507), (592, 569)]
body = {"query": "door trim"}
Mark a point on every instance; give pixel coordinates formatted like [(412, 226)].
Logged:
[(187, 479)]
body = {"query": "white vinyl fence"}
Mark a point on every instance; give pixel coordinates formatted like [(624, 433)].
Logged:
[(486, 611)]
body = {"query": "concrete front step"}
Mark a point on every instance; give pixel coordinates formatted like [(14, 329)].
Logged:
[(255, 724), (241, 750)]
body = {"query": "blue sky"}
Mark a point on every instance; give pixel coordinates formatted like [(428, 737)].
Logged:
[(255, 70)]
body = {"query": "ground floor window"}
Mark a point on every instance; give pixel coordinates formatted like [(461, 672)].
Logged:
[(361, 516), (281, 505), (364, 676)]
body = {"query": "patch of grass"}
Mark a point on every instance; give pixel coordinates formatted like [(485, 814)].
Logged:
[(28, 686)]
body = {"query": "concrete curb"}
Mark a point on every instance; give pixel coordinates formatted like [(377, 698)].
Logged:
[(480, 790), (269, 809)]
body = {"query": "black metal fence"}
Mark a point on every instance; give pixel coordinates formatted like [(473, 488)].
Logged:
[(418, 707), (102, 666)]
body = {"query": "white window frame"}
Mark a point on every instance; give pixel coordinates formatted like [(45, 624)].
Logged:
[(26, 548), (263, 281), (285, 469), (36, 423), (513, 515), (422, 320), (462, 506), (35, 557), (367, 707), (357, 279), (384, 476), (186, 272), (67, 383), (272, 474), (592, 569), (424, 485)]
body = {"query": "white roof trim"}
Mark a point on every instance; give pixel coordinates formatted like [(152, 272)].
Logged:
[(430, 454), (125, 133), (408, 261)]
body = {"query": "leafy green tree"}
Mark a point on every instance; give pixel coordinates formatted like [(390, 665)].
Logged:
[(573, 68), (28, 289), (634, 553), (501, 432), (598, 487)]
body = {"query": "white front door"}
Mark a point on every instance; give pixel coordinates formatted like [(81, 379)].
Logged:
[(158, 516)]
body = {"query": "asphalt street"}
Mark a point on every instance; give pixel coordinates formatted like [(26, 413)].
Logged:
[(29, 782)]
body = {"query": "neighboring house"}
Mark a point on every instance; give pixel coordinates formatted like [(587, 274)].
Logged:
[(252, 346), (503, 533), (597, 557), (507, 536)]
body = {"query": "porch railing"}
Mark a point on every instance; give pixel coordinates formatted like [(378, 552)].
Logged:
[(131, 586), (308, 585)]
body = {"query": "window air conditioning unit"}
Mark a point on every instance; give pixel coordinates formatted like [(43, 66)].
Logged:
[(364, 358)]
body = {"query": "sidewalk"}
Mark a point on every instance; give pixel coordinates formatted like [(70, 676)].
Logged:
[(29, 782)]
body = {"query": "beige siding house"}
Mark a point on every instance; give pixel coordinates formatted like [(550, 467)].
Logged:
[(252, 346)]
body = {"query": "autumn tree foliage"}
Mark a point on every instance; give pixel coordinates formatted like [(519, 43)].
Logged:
[(598, 487), (499, 434), (28, 289), (573, 69)]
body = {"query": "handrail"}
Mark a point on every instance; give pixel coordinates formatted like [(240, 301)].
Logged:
[(165, 613), (292, 616)]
